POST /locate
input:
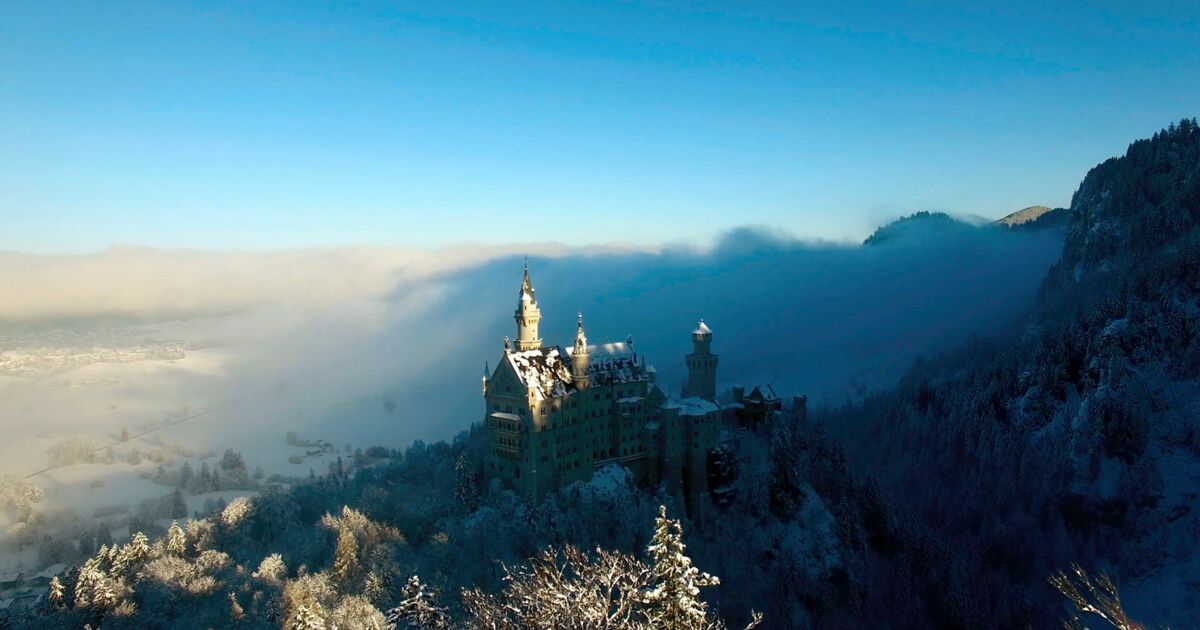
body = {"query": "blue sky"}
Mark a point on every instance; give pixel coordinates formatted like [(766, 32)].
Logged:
[(266, 125)]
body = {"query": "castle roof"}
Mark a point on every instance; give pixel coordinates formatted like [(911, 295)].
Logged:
[(692, 406), (543, 371), (765, 393), (614, 362), (547, 371), (702, 329)]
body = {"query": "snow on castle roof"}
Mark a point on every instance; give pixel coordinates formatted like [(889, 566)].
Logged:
[(614, 362), (542, 371), (692, 406)]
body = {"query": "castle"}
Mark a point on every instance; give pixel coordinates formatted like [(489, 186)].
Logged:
[(555, 415)]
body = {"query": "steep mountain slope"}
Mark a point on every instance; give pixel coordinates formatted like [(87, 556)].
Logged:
[(1079, 441)]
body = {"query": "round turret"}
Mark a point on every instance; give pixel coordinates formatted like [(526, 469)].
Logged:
[(702, 365)]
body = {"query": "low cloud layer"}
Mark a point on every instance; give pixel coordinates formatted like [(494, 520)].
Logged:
[(329, 334)]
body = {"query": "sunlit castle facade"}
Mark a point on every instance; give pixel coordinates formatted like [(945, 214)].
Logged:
[(555, 415)]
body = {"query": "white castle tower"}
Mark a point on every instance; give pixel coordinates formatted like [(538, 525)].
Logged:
[(527, 316), (579, 358), (701, 365)]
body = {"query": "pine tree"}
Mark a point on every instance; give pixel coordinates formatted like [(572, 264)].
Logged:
[(345, 559), (85, 583), (137, 550), (178, 507), (374, 587), (104, 595), (673, 600), (103, 535), (466, 483), (176, 540), (306, 619), (135, 456), (56, 595), (417, 609), (204, 480), (186, 474)]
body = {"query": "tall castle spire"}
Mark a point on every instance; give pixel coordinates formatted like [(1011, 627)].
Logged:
[(527, 316), (579, 358)]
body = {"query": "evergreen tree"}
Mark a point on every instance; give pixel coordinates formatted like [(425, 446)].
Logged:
[(103, 535), (466, 483), (137, 550), (673, 599), (345, 559), (104, 594), (186, 475), (56, 595), (85, 584), (374, 587), (204, 480), (176, 540), (306, 619), (417, 609), (178, 506)]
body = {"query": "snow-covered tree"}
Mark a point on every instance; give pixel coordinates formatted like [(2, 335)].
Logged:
[(374, 587), (56, 594), (176, 540), (237, 510), (672, 600), (1098, 597), (306, 619), (104, 593), (137, 550), (417, 610), (354, 612), (272, 569), (345, 558)]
